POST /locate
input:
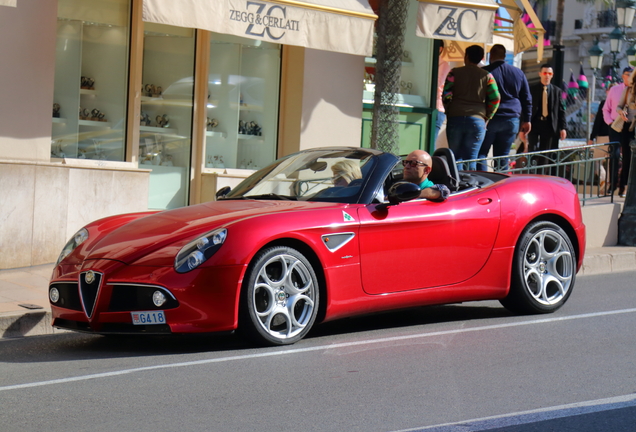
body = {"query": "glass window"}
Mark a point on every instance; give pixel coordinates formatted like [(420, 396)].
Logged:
[(243, 94), (165, 132), (91, 79), (326, 175)]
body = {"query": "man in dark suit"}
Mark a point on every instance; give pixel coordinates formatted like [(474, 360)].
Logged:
[(548, 113)]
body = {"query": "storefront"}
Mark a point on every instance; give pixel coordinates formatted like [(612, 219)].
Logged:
[(221, 61), (159, 107)]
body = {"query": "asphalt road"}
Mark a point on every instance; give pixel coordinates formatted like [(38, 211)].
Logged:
[(470, 367)]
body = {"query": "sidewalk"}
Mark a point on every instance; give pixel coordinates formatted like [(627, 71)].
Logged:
[(25, 311)]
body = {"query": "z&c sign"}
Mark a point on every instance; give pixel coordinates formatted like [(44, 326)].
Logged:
[(455, 23), (262, 20)]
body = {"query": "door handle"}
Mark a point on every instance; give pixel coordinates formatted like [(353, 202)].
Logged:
[(484, 201)]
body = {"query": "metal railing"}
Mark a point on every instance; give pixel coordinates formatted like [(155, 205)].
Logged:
[(588, 167)]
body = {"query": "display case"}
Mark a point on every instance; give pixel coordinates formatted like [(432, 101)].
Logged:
[(91, 72), (165, 130), (242, 108)]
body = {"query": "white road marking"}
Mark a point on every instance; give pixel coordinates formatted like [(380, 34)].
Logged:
[(532, 416), (316, 348)]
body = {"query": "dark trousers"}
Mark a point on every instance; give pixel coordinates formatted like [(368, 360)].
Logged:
[(624, 138), (542, 136)]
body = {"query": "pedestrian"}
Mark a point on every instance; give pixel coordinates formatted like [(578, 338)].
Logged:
[(548, 113), (471, 98), (515, 108), (615, 107), (600, 129), (600, 135), (442, 71)]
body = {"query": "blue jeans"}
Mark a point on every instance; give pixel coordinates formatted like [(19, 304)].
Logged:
[(501, 133), (438, 124), (465, 135)]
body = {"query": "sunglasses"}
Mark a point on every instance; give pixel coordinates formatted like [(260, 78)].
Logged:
[(547, 73), (413, 163)]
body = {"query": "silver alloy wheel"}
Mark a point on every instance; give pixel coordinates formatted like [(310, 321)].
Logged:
[(548, 267), (283, 296)]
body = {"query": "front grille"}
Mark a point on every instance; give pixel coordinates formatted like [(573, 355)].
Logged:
[(137, 298), (89, 291), (72, 325), (69, 295), (122, 328), (112, 328)]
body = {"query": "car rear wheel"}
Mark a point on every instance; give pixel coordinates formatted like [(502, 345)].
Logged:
[(281, 297), (544, 270)]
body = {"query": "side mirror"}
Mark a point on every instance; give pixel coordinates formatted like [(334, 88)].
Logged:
[(403, 191), (222, 192)]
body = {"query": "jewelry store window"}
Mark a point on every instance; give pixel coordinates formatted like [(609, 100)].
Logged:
[(413, 98), (91, 73), (242, 108), (165, 131)]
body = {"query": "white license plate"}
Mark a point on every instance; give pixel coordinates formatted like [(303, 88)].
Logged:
[(148, 317)]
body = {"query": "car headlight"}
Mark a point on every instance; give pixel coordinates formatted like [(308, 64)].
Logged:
[(80, 237), (199, 250)]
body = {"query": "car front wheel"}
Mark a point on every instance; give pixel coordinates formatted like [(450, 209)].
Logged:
[(544, 270), (281, 297)]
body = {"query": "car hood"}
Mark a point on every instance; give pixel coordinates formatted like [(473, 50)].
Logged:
[(150, 233)]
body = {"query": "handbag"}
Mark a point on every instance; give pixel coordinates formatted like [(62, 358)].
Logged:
[(618, 122)]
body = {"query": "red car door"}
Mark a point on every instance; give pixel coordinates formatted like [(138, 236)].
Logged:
[(423, 244)]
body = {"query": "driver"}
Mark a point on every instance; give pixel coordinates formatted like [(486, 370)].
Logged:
[(417, 167)]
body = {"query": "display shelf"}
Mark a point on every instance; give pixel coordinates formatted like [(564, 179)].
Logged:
[(156, 129), (247, 107), (250, 137), (146, 99), (94, 123), (161, 101), (403, 100), (215, 134), (88, 92), (372, 61), (60, 120)]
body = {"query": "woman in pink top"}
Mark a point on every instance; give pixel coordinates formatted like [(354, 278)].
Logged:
[(615, 105)]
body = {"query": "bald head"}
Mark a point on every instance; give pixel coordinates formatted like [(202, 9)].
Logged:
[(420, 168)]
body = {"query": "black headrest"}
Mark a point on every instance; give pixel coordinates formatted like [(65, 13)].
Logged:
[(445, 169)]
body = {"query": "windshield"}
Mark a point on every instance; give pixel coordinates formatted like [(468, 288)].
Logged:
[(332, 175)]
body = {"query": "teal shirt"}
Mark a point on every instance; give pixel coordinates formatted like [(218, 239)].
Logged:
[(426, 184)]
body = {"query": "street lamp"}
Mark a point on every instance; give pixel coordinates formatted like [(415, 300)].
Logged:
[(596, 61), (625, 10), (616, 40), (596, 56)]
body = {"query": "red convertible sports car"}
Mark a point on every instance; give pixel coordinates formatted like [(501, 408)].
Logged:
[(292, 246)]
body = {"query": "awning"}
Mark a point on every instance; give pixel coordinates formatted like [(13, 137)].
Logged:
[(453, 21), (333, 25), (470, 22), (8, 3)]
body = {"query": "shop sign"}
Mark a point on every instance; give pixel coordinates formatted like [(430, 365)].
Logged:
[(344, 26), (446, 21), (8, 3), (263, 20)]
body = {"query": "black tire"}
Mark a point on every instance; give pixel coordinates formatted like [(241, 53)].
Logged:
[(280, 297), (543, 270)]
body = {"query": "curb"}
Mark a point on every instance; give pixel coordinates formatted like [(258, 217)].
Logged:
[(20, 324), (608, 260)]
